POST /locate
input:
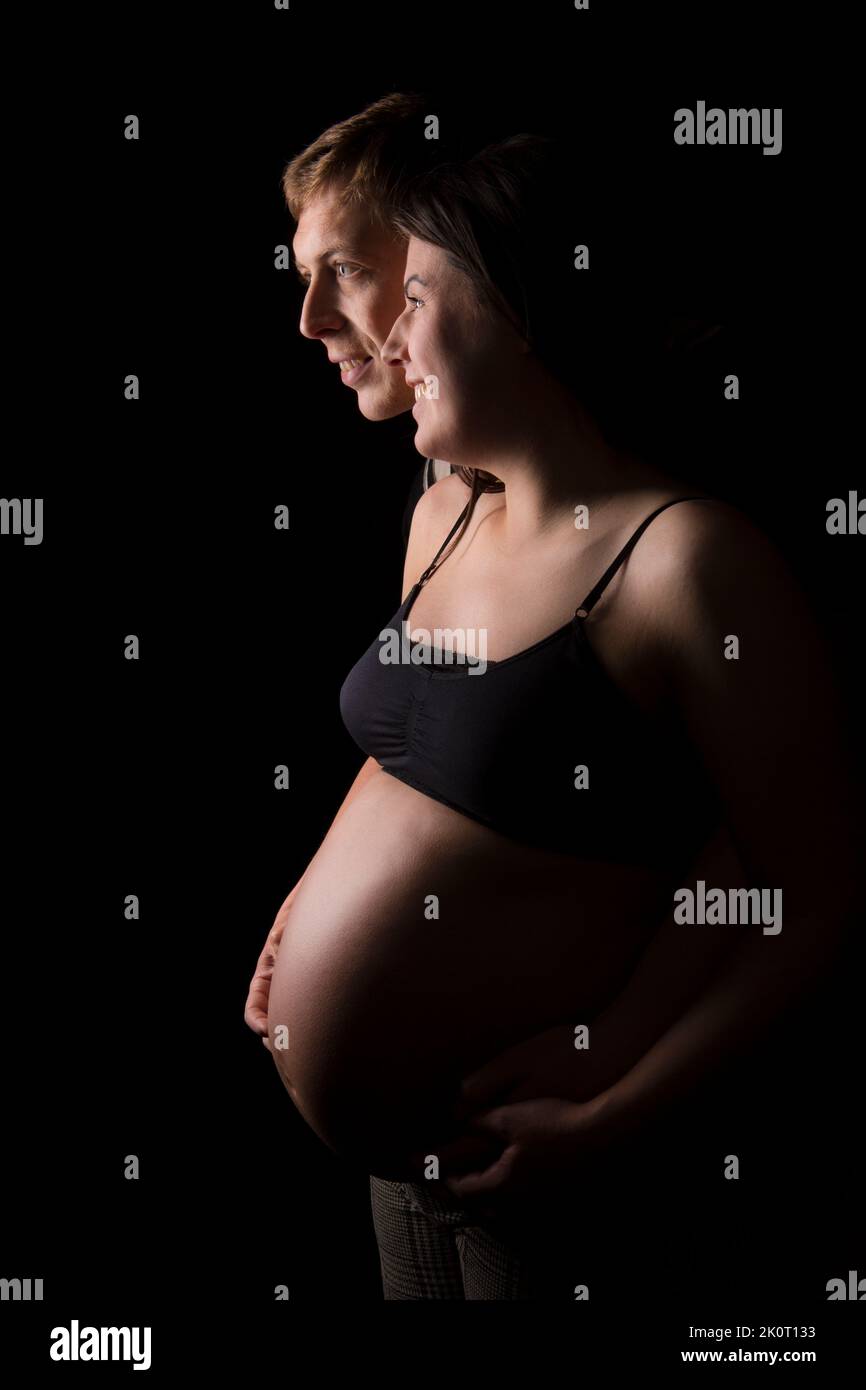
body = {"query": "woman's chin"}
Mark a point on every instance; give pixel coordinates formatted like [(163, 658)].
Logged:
[(427, 440)]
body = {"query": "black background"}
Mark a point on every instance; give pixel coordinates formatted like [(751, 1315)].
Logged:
[(156, 777)]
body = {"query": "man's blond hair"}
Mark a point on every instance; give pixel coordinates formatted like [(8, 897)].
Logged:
[(365, 157)]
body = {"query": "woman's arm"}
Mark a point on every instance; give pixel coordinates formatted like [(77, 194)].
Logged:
[(754, 988), (672, 971), (751, 677), (771, 730)]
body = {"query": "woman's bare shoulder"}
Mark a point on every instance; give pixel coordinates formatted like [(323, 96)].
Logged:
[(705, 538), (437, 509), (435, 513), (446, 497), (707, 566)]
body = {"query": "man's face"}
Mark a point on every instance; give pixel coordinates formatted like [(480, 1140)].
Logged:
[(353, 271)]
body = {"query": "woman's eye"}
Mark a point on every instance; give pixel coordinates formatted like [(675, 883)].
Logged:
[(414, 300)]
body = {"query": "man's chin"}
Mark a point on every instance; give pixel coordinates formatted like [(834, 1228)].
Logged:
[(373, 409), (376, 405)]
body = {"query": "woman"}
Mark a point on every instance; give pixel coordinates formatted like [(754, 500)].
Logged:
[(524, 816)]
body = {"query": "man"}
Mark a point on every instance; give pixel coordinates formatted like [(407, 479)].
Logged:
[(350, 261)]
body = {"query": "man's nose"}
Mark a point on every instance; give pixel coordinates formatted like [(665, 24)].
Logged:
[(319, 313)]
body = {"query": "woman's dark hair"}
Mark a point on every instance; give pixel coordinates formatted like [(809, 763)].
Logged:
[(507, 219)]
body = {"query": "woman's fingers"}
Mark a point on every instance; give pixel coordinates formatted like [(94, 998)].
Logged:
[(466, 1153), (256, 1009), (480, 1182), (484, 1090)]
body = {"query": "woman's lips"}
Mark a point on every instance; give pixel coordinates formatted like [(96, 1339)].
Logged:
[(355, 373)]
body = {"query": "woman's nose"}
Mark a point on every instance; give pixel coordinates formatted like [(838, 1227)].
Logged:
[(394, 352)]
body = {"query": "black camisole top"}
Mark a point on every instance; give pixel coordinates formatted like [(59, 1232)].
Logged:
[(541, 746)]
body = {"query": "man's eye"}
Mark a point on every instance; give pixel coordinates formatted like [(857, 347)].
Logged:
[(349, 266)]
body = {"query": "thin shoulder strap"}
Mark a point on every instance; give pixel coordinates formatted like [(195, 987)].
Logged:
[(595, 594), (432, 565)]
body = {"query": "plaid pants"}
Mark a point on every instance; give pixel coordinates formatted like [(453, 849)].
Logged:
[(430, 1247)]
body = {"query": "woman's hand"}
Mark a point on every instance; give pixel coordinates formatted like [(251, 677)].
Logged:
[(256, 1009), (547, 1064), (528, 1116), (513, 1151)]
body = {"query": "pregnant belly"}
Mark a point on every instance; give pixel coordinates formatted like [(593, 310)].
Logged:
[(419, 945)]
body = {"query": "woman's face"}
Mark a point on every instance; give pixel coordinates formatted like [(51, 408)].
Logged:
[(464, 360)]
